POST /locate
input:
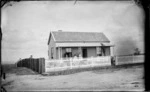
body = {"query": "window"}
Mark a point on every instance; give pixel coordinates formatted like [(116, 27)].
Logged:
[(98, 51), (68, 52), (68, 49)]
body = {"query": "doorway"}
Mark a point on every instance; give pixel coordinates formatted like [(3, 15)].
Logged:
[(84, 52)]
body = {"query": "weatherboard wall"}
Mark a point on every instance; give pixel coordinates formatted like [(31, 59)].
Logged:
[(52, 44)]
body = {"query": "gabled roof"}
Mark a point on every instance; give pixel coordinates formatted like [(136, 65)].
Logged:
[(64, 36)]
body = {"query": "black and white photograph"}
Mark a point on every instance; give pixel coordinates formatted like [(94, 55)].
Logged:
[(72, 45)]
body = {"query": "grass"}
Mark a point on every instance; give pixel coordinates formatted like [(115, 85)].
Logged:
[(72, 71), (11, 68)]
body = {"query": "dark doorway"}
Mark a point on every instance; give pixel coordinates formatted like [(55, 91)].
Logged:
[(84, 52)]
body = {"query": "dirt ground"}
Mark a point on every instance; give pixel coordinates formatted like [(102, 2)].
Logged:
[(120, 79)]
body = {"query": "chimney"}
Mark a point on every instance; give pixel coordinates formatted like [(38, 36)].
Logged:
[(59, 30)]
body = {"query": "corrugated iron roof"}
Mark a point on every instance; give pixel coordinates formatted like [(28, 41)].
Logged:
[(63, 36)]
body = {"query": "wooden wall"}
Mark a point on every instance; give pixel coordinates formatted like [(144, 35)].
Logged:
[(37, 65)]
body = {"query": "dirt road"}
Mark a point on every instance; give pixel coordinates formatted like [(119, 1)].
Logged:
[(123, 79)]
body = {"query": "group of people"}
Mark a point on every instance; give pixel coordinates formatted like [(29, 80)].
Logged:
[(68, 55)]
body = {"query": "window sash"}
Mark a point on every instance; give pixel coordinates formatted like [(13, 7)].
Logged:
[(68, 49), (98, 50)]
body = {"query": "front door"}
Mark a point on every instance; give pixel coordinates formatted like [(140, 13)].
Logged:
[(84, 52)]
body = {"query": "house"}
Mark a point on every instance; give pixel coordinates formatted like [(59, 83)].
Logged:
[(62, 44)]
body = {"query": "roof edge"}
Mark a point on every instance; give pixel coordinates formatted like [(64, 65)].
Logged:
[(56, 40), (77, 31), (51, 35), (82, 41)]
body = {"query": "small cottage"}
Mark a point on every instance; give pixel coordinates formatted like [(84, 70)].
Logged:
[(62, 44)]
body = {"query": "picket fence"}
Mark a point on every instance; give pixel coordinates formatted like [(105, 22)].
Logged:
[(71, 63), (42, 65), (120, 60)]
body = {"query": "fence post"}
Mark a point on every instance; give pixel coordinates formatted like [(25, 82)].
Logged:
[(28, 63), (92, 61), (35, 68), (34, 65), (24, 63), (31, 63), (70, 64), (116, 60), (39, 68), (43, 65)]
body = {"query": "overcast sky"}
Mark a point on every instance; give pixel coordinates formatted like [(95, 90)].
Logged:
[(26, 25)]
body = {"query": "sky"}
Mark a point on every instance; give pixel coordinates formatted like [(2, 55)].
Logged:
[(26, 25)]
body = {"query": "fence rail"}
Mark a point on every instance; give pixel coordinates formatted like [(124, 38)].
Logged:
[(54, 65)]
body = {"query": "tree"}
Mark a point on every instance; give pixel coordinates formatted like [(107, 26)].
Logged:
[(136, 51)]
